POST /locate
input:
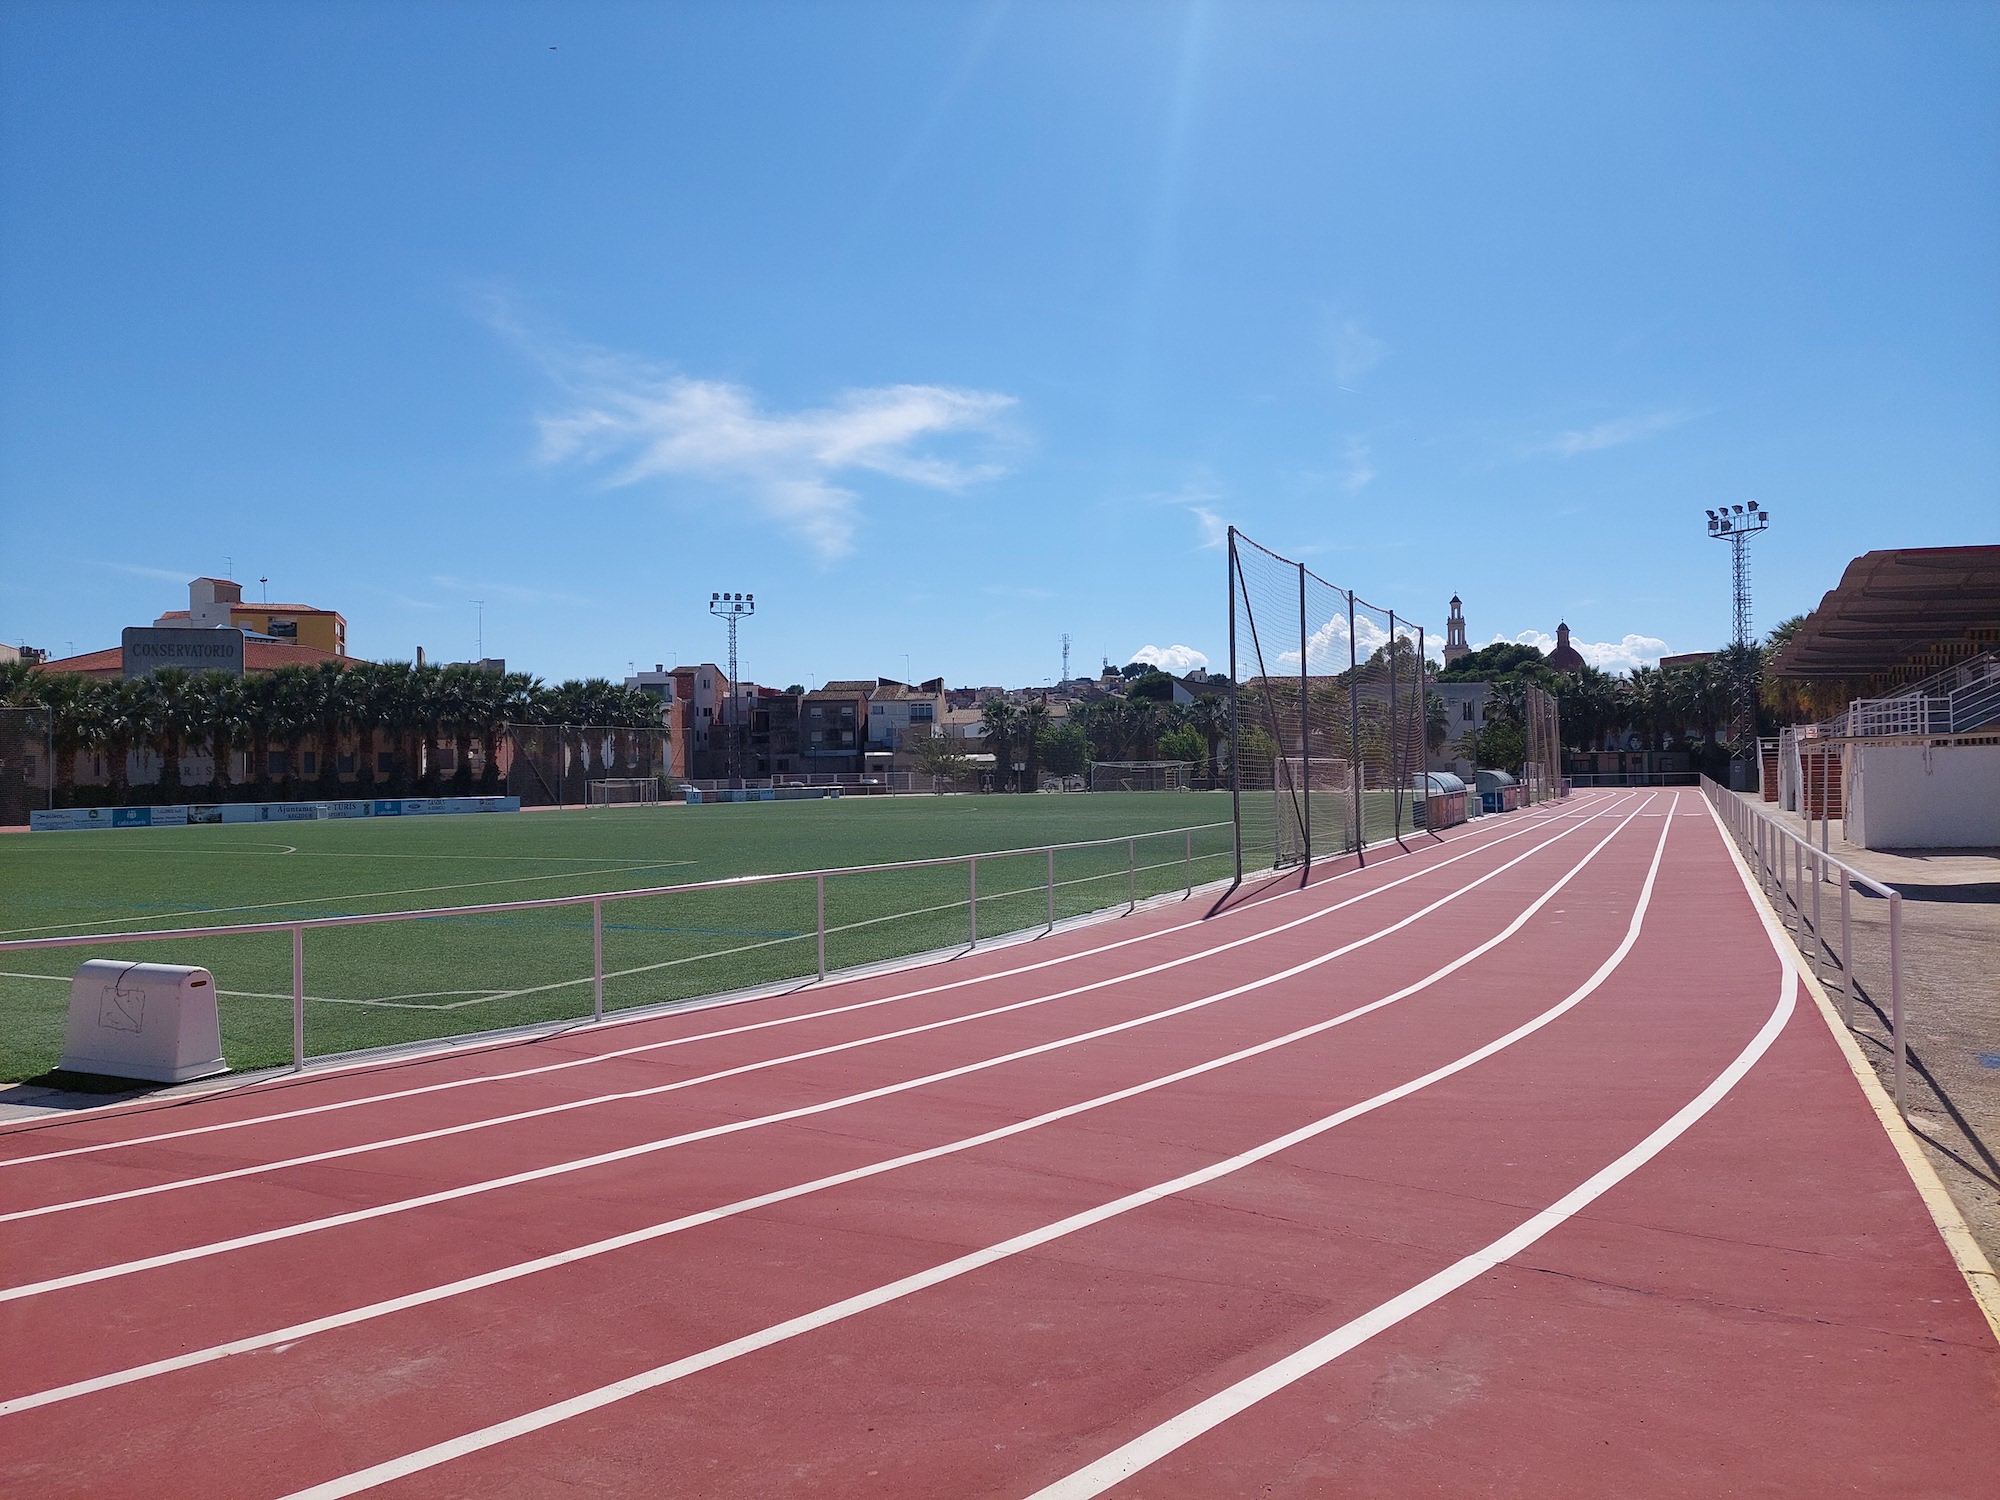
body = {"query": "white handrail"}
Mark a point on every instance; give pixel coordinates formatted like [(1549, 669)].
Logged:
[(297, 927), (1782, 857)]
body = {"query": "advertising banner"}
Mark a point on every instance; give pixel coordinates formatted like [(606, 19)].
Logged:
[(71, 819)]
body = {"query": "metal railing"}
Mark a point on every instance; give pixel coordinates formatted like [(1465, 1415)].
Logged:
[(1794, 874), (597, 901)]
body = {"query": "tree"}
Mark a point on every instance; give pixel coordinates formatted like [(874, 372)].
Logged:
[(1492, 661), (1499, 745), (1000, 720), (1183, 742), (939, 757), (1208, 716), (1064, 749), (1033, 720)]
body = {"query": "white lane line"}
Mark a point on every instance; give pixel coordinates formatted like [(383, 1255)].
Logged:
[(352, 1316), (667, 1143), (614, 1054), (257, 1169), (1150, 1447), (415, 890), (1532, 820), (835, 1312)]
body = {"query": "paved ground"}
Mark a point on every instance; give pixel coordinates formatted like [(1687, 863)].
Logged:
[(1951, 956), (1519, 1166)]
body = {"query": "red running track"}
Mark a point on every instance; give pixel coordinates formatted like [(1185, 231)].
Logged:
[(1519, 1165)]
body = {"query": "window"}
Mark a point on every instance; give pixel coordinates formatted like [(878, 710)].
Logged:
[(385, 762), (310, 762), (274, 763), (920, 713), (344, 764), (1466, 710)]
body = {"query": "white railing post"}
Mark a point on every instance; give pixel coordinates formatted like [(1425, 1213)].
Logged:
[(1190, 861), (819, 922), (1846, 950), (597, 960), (1052, 890), (1896, 988), (1131, 874), (298, 999), (972, 905)]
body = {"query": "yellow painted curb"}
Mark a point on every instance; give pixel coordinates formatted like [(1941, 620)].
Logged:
[(1971, 1261)]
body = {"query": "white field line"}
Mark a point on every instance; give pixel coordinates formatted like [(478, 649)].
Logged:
[(414, 890), (667, 1143), (1149, 1447), (836, 1312), (921, 993), (504, 1274)]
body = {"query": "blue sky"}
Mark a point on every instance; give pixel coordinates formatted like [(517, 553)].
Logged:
[(948, 328)]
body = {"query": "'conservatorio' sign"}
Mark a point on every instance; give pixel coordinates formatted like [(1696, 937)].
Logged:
[(148, 648)]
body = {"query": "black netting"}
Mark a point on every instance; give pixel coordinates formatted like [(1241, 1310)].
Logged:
[(25, 763), (552, 765), (1329, 727)]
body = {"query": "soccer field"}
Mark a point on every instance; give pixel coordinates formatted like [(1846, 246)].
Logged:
[(397, 982)]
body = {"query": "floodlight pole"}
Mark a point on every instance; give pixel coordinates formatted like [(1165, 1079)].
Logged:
[(1737, 524), (732, 610)]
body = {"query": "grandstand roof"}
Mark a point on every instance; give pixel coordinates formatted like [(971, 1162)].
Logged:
[(1902, 609)]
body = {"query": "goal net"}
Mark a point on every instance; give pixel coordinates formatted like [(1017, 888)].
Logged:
[(1139, 776), (617, 791)]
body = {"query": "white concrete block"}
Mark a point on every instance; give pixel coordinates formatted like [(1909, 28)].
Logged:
[(152, 1021)]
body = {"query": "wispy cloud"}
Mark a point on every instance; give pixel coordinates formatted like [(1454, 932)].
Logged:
[(1355, 352), (511, 593), (178, 575), (1360, 461), (639, 420), (1214, 530), (1613, 434), (1607, 656), (1177, 659)]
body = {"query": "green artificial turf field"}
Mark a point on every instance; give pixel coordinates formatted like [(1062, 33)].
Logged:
[(396, 982)]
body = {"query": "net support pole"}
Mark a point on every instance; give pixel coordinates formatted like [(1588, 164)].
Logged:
[(597, 960), (972, 899), (1354, 735), (298, 999), (1235, 728), (1305, 735)]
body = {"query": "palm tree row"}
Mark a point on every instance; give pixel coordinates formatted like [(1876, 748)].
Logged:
[(1111, 729), (371, 726)]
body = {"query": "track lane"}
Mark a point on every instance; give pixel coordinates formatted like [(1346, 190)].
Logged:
[(36, 1241), (1045, 1164), (700, 1183), (353, 1084)]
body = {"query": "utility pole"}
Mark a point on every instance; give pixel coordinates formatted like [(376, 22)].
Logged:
[(732, 609), (1736, 525)]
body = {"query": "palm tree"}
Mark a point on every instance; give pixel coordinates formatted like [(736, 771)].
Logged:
[(999, 722), (216, 714), (1033, 723), (1208, 716), (170, 718)]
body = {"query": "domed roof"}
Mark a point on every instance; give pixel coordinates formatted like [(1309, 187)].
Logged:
[(1565, 658)]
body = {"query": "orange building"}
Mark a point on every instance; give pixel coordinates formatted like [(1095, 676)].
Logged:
[(218, 602)]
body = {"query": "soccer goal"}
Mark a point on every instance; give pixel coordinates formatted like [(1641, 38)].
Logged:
[(624, 791), (1139, 776)]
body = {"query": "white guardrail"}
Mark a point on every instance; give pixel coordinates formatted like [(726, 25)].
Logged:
[(596, 902), (1793, 873)]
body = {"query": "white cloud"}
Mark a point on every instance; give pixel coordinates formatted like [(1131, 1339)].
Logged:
[(1176, 659), (1214, 530), (1326, 647), (1607, 656), (1355, 353), (646, 422), (1360, 466), (1612, 434)]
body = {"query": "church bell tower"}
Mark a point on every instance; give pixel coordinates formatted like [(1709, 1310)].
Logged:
[(1455, 649)]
